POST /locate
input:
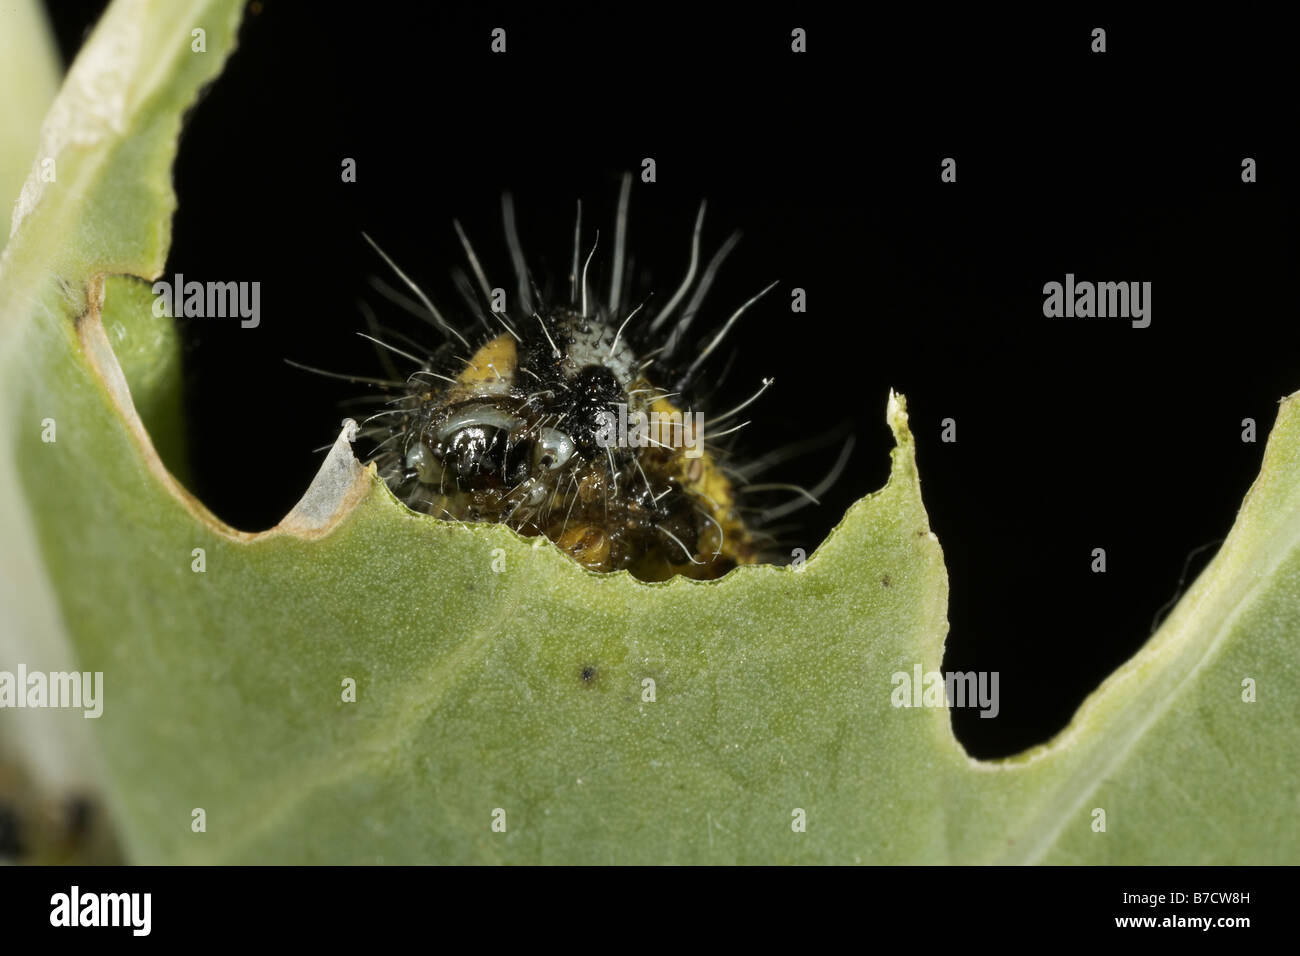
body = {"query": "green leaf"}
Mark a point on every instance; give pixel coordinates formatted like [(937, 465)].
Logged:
[(523, 688), (110, 137), (29, 78)]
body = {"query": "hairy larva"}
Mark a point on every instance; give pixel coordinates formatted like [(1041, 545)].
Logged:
[(576, 416)]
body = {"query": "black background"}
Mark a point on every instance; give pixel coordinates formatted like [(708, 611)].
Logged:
[(1072, 434)]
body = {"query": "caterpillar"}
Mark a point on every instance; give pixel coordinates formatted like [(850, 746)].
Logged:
[(577, 416)]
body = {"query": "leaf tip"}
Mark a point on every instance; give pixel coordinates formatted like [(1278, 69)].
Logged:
[(896, 415)]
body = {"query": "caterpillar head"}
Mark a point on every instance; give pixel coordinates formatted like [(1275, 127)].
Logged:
[(556, 421)]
